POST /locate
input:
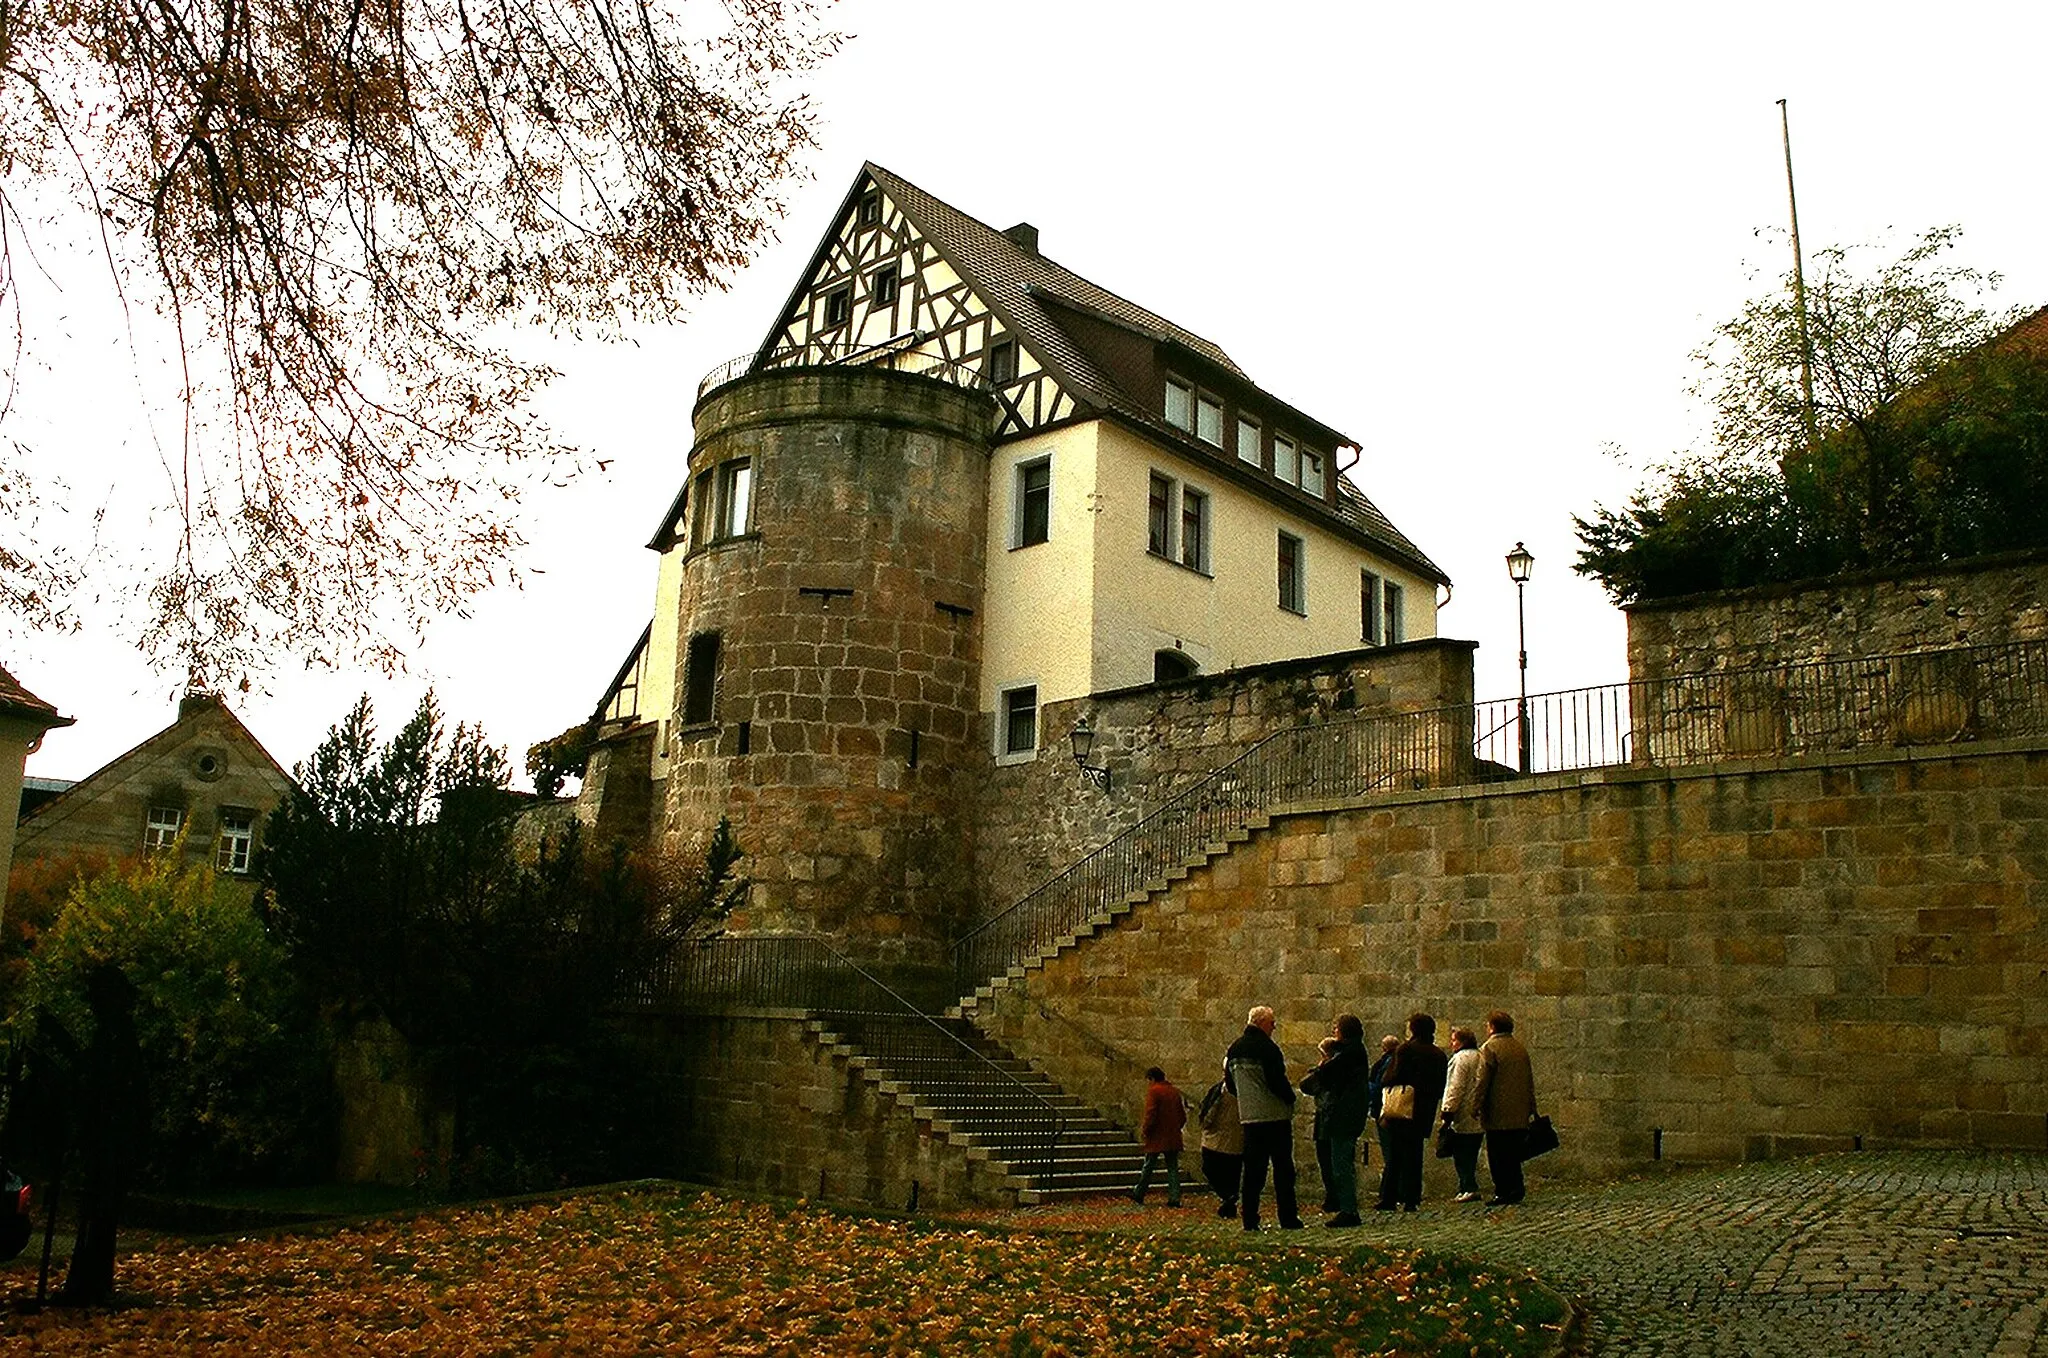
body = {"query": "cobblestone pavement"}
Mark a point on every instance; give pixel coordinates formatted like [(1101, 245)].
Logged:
[(1896, 1253)]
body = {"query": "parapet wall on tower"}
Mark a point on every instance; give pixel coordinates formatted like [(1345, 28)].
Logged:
[(828, 655)]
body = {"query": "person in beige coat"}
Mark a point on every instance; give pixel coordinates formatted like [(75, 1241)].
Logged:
[(1460, 1112), (1507, 1105)]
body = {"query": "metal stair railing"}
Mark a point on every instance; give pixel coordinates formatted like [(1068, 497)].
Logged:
[(805, 972), (1994, 691)]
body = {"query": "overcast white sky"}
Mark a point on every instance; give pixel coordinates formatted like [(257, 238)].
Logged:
[(1481, 241)]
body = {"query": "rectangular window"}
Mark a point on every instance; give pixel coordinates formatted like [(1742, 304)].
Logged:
[(885, 287), (1248, 449), (1286, 461), (735, 495), (237, 839), (1020, 720), (1159, 517), (1312, 473), (1180, 404), (1397, 626), (870, 209), (1034, 502), (1209, 420), (839, 306), (700, 514), (160, 830), (1002, 362), (700, 680), (1194, 529), (1293, 596), (1369, 608)]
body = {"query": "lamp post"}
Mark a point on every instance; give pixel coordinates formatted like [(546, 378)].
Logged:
[(1083, 739), (1519, 562)]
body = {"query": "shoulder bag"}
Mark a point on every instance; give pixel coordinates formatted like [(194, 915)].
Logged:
[(1397, 1101)]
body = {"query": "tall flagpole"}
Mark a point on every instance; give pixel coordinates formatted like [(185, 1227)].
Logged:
[(1799, 287)]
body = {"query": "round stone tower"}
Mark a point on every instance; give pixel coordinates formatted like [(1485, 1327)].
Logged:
[(829, 649)]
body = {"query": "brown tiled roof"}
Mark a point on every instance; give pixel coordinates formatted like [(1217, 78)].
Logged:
[(1027, 291), (16, 701)]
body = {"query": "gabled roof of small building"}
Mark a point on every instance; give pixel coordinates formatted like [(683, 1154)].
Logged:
[(191, 709)]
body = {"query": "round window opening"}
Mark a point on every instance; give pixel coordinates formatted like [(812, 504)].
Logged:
[(208, 765)]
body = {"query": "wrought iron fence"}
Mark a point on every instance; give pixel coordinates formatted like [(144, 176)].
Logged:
[(901, 355), (802, 971), (1916, 698)]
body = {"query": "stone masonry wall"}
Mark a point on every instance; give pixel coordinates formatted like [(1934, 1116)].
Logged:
[(1035, 819), (850, 651), (1993, 600), (759, 1105), (1757, 960)]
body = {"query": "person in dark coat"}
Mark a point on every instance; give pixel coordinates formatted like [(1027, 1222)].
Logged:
[(1256, 1072), (1374, 1084), (1421, 1065), (1339, 1086), (1165, 1115)]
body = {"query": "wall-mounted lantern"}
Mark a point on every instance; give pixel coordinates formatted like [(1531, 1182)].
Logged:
[(1083, 738)]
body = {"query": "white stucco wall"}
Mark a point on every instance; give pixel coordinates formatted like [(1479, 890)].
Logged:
[(1038, 611), (1232, 616)]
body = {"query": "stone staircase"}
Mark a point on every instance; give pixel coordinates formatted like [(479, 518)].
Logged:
[(1106, 917), (978, 1096)]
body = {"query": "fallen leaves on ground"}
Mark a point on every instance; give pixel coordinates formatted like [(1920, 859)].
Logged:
[(651, 1271)]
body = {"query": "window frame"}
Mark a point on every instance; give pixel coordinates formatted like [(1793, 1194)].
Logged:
[(1396, 608), (735, 507), (1307, 456), (887, 280), (235, 841), (1197, 559), (1159, 516), (1001, 366), (1023, 494), (1258, 441), (1370, 630), (159, 834), (869, 213), (1293, 447), (1292, 583), (1188, 391), (1008, 711), (836, 299), (1209, 418)]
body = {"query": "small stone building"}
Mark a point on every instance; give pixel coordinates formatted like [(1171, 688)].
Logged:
[(204, 777)]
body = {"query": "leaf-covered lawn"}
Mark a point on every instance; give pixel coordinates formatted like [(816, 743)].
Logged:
[(651, 1272)]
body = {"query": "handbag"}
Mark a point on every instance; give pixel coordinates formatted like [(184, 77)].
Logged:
[(1541, 1140), (1397, 1101), (1444, 1141)]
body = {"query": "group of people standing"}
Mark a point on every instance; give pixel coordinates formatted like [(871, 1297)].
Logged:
[(1478, 1094)]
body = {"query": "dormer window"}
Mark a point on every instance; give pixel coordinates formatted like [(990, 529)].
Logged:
[(1248, 441), (1180, 404), (1286, 459), (1209, 419), (1312, 473)]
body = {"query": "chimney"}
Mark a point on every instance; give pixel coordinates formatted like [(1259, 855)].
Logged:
[(1025, 235)]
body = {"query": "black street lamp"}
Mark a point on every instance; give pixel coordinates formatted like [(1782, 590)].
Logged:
[(1519, 562), (1083, 740)]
